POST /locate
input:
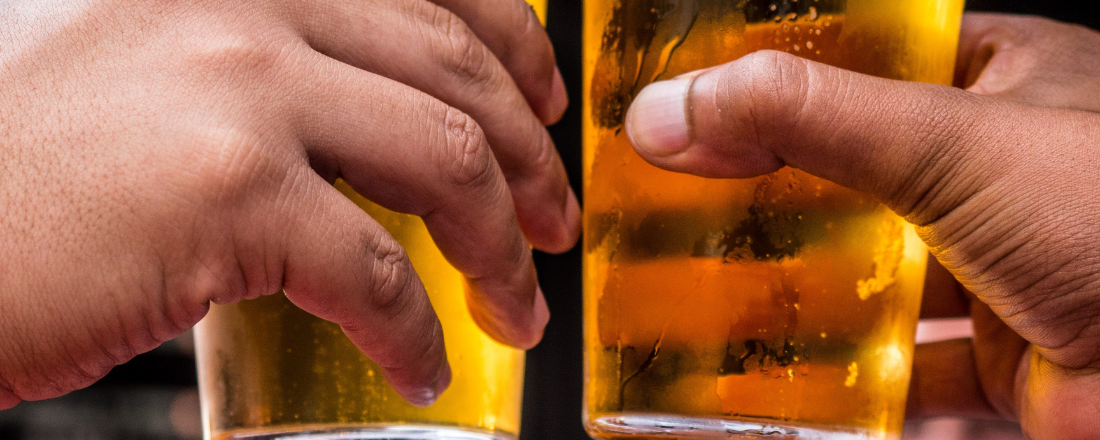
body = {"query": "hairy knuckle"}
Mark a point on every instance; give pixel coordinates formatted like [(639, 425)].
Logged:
[(469, 162)]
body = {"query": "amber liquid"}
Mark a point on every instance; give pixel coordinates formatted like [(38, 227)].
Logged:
[(267, 367), (782, 305)]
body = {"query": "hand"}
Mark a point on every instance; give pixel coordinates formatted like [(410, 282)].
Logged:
[(1000, 179), (160, 156)]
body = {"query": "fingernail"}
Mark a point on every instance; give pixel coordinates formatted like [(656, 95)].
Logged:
[(656, 122), (558, 102), (542, 311)]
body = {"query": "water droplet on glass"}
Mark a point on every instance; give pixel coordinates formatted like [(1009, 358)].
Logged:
[(812, 13), (772, 7), (797, 48), (792, 16), (809, 44)]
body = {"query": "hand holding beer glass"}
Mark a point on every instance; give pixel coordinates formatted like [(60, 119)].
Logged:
[(779, 306), (269, 370)]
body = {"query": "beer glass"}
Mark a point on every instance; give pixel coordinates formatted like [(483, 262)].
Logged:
[(268, 370), (782, 306)]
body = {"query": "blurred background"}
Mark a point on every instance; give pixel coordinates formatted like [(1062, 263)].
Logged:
[(153, 397)]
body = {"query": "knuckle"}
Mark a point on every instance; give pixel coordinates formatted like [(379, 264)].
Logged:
[(239, 55), (763, 94), (232, 163), (427, 349), (545, 157), (391, 274), (780, 82), (468, 161), (461, 52)]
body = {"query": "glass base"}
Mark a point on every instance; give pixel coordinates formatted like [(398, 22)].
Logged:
[(649, 425), (370, 432)]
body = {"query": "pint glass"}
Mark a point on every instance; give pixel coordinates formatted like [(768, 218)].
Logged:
[(782, 306), (268, 370)]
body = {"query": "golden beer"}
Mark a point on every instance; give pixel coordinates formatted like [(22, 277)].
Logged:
[(782, 306), (267, 369)]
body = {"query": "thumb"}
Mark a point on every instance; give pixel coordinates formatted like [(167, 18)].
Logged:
[(897, 140), (1002, 192)]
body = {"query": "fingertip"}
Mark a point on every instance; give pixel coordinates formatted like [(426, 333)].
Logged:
[(8, 399), (428, 395), (568, 230), (572, 220), (522, 331), (540, 316), (541, 312), (554, 107)]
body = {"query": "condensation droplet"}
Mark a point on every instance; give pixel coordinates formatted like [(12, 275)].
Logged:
[(797, 48), (812, 15), (797, 29), (792, 16), (809, 44), (772, 7)]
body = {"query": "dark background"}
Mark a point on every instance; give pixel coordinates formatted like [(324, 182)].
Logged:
[(153, 397)]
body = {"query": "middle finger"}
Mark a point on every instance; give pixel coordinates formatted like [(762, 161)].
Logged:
[(431, 49), (411, 153)]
